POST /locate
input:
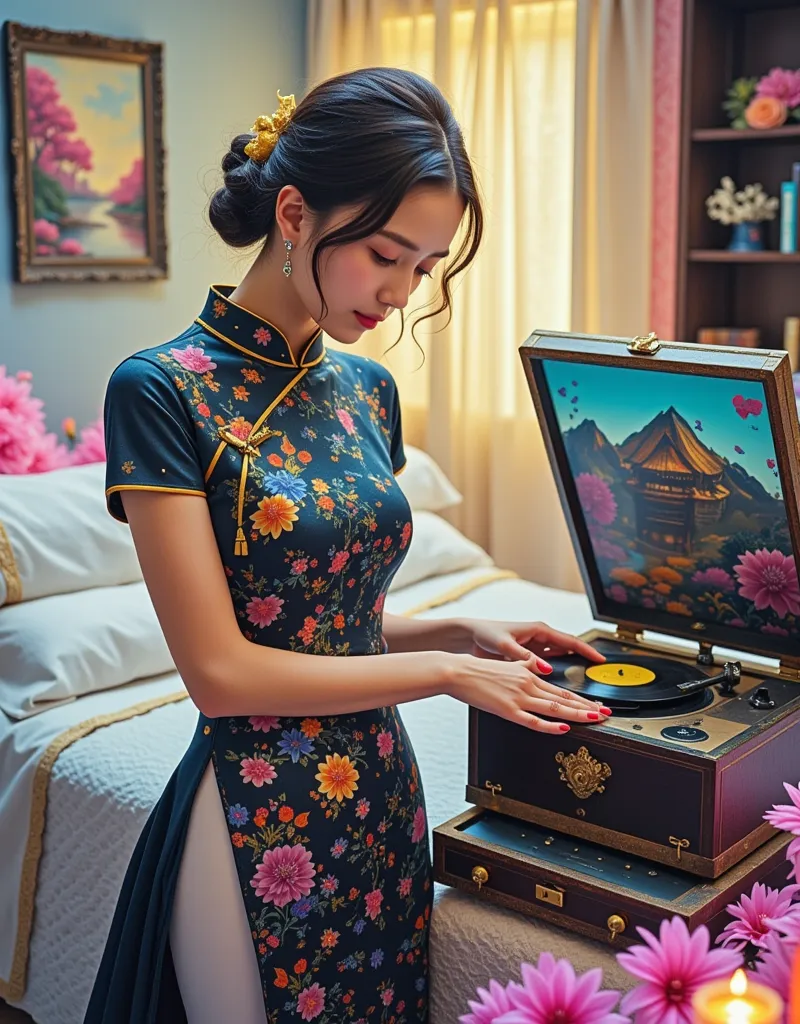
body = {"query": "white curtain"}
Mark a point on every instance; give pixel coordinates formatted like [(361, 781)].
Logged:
[(508, 67)]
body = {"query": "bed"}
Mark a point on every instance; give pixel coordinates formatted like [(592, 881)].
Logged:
[(79, 772)]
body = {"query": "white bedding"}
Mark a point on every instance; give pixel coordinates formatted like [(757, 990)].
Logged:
[(101, 788)]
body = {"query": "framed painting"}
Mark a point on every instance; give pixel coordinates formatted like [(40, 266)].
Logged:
[(87, 155)]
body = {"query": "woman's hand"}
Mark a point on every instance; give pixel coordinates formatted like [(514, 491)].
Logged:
[(501, 675)]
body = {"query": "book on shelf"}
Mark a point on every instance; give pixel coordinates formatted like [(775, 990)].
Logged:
[(739, 337), (788, 229)]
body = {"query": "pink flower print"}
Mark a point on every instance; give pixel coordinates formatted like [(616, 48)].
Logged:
[(362, 809), (419, 828), (285, 874), (551, 992), (299, 566), (262, 336), (387, 996), (597, 501), (404, 887), (340, 560), (781, 84), (716, 579), (769, 580), (385, 743), (491, 1005), (346, 420), (263, 611), (754, 915), (203, 410), (258, 771), (263, 723), (672, 968), (193, 358), (774, 630), (374, 900), (311, 1002)]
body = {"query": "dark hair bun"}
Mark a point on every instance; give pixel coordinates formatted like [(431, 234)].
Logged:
[(237, 210)]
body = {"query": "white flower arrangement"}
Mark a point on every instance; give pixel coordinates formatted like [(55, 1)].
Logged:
[(750, 204)]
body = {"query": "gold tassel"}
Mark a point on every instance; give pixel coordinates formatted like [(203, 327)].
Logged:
[(240, 547)]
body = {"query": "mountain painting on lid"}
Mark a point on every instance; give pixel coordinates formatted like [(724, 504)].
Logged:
[(678, 485)]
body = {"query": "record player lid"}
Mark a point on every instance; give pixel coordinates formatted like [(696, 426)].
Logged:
[(678, 468)]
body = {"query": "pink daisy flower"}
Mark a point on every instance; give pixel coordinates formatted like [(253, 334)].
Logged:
[(311, 1002), (346, 420), (258, 771), (755, 915), (774, 966), (596, 498), (781, 84), (263, 723), (769, 580), (284, 875), (491, 1004), (672, 968), (551, 993), (193, 358), (793, 856), (419, 828), (787, 816), (385, 743), (263, 611)]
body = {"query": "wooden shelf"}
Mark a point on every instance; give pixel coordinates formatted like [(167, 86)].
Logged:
[(732, 256), (786, 131)]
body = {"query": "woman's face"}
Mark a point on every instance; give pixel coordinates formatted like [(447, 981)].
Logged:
[(363, 282)]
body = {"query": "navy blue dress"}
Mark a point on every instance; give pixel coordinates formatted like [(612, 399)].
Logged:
[(297, 461)]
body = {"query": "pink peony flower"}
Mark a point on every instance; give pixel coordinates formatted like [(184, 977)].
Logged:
[(15, 397), (491, 1005), (781, 84), (258, 771), (373, 901), (193, 358), (385, 743), (418, 830), (311, 1002), (787, 816), (45, 230), (551, 993), (755, 915), (47, 454), (263, 723), (263, 611), (716, 578), (776, 959), (285, 874), (92, 445), (71, 247), (596, 498), (769, 580), (18, 439), (672, 967), (346, 420)]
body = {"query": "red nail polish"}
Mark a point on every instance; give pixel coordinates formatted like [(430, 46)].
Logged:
[(544, 667), (605, 711), (563, 727), (593, 715)]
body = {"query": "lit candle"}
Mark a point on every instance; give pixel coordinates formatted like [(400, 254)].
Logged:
[(737, 1001)]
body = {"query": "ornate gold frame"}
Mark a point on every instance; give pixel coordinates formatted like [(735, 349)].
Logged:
[(30, 268)]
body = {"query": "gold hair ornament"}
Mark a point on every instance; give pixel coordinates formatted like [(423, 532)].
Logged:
[(269, 129)]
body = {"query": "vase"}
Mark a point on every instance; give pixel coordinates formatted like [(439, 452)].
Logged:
[(747, 236)]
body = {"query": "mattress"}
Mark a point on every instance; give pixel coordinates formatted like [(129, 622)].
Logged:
[(101, 787)]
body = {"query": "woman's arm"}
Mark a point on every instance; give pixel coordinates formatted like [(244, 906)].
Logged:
[(227, 675), (404, 634)]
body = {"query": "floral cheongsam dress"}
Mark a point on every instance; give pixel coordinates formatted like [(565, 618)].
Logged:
[(326, 814)]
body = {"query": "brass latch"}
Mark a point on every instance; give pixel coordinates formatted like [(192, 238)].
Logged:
[(480, 876), (616, 925), (495, 787), (679, 844), (645, 346), (551, 895)]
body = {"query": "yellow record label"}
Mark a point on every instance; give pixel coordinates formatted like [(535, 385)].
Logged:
[(615, 673)]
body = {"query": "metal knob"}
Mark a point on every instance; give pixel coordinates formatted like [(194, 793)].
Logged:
[(761, 699), (616, 926), (480, 876)]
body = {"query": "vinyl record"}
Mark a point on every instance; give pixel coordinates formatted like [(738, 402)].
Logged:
[(625, 679)]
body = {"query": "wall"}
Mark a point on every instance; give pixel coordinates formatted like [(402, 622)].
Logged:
[(221, 71)]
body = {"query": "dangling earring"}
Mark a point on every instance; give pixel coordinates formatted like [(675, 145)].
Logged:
[(287, 267)]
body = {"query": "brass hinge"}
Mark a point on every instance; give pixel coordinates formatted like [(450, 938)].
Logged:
[(647, 346), (627, 636), (790, 672)]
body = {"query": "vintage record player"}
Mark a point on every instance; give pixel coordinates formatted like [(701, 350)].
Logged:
[(678, 469)]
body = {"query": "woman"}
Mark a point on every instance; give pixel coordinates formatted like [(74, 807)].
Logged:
[(285, 872)]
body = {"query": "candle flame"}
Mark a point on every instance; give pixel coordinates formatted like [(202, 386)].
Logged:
[(738, 983)]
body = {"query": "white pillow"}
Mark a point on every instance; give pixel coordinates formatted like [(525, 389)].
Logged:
[(424, 483), (57, 537), (58, 648), (436, 547)]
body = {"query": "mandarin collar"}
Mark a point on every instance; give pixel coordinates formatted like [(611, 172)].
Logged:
[(251, 334)]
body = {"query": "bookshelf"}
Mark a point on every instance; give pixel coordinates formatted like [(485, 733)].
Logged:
[(724, 40)]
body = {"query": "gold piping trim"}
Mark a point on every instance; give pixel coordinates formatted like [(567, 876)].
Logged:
[(397, 472), (14, 988), (9, 570), (294, 365), (148, 487), (214, 461), (216, 290), (463, 588)]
